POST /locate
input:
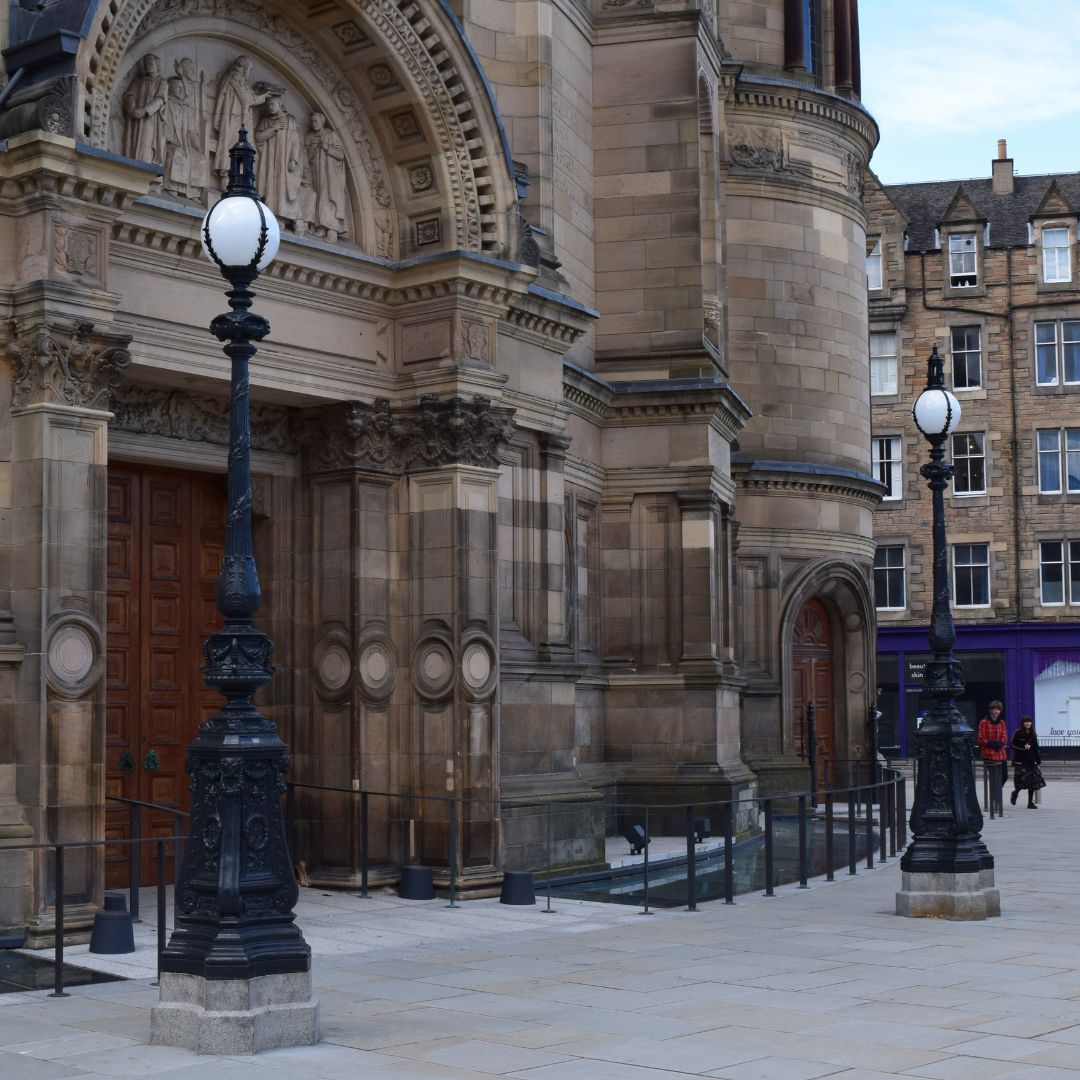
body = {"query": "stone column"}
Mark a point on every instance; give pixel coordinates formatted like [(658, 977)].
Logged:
[(63, 374), (555, 633)]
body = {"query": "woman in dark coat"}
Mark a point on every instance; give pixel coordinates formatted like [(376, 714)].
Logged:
[(1026, 762)]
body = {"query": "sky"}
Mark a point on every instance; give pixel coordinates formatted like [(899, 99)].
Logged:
[(945, 80)]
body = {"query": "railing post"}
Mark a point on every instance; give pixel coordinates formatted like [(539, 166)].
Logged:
[(290, 820), (829, 875), (987, 804), (869, 829), (811, 738), (363, 844), (134, 860), (691, 862), (894, 813), (161, 901), (453, 850), (58, 927), (883, 809), (547, 815), (729, 853), (768, 849), (178, 845), (902, 839), (645, 869), (802, 843), (852, 869)]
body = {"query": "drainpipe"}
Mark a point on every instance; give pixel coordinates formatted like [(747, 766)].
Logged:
[(10, 85)]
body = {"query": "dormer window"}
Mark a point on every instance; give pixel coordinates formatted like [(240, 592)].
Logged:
[(873, 266), (1056, 256), (962, 265)]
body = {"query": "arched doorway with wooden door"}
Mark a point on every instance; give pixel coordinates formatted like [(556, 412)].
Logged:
[(165, 541), (813, 682)]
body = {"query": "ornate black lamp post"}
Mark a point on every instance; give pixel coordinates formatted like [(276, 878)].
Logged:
[(236, 972), (947, 870)]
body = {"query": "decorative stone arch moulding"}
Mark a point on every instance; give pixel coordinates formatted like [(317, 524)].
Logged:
[(846, 594), (423, 47)]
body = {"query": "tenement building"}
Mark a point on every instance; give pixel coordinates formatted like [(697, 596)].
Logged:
[(563, 487), (986, 271)]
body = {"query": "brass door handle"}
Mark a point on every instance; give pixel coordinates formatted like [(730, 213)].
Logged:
[(151, 763)]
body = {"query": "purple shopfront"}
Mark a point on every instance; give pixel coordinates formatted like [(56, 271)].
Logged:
[(1034, 668)]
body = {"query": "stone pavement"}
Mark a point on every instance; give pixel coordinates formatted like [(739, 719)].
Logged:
[(822, 982)]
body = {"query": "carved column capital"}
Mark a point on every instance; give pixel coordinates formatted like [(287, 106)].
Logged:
[(74, 365), (356, 435)]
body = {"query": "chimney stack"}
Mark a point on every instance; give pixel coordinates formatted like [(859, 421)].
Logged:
[(1001, 170)]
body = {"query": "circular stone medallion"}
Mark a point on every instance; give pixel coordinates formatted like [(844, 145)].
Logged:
[(334, 667), (71, 655), (434, 670), (476, 666)]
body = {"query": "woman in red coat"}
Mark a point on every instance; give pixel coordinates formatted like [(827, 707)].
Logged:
[(993, 743)]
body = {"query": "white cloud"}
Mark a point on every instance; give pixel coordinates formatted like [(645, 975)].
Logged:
[(972, 67)]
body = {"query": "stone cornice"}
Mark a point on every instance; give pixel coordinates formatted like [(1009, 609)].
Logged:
[(792, 100), (651, 403), (39, 167), (625, 483), (780, 478)]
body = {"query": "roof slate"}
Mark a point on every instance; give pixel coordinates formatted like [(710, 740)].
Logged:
[(925, 205)]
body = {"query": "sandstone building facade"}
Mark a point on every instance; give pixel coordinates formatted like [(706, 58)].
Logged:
[(986, 270), (562, 431)]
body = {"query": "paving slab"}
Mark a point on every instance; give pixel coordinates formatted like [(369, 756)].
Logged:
[(821, 982)]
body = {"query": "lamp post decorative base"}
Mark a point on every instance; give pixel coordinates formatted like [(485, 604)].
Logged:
[(234, 1016), (970, 897)]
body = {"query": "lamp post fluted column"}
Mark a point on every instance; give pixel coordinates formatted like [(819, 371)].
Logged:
[(235, 976), (947, 870)]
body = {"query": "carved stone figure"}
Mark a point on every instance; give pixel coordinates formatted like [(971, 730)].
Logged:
[(326, 175), (279, 163), (232, 109), (185, 149), (144, 112)]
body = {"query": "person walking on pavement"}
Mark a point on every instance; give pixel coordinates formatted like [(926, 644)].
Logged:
[(993, 743), (1026, 762)]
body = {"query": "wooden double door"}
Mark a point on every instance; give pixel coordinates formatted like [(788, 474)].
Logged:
[(813, 680), (165, 541)]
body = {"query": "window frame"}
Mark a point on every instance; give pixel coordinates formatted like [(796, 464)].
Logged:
[(874, 256), (968, 458), (895, 484), (1066, 452), (894, 355), (1045, 250), (888, 570), (1062, 569), (970, 567), (1065, 346), (966, 352), (955, 274)]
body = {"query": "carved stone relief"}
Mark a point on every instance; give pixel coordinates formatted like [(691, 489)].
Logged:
[(66, 365), (177, 414), (77, 251), (757, 148), (356, 435)]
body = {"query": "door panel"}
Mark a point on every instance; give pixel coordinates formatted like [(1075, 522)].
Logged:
[(166, 533), (812, 656)]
